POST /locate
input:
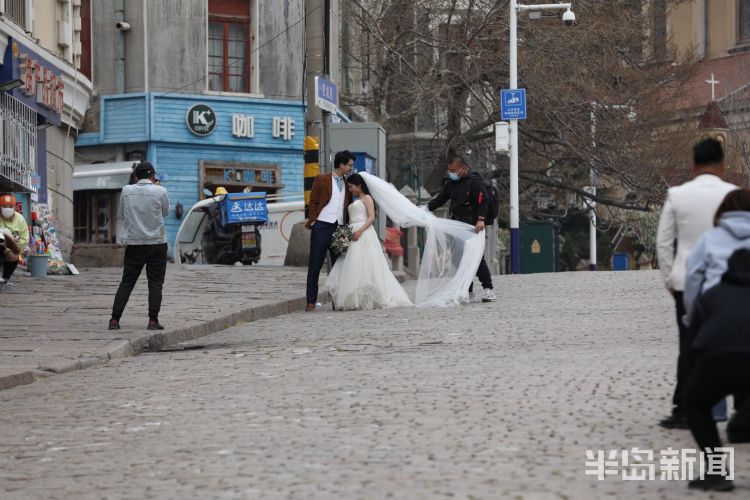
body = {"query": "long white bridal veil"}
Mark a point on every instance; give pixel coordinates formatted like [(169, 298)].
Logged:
[(452, 249)]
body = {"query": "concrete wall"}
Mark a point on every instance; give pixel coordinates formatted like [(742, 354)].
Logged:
[(90, 255), (135, 46), (103, 34), (45, 24), (686, 27), (177, 45), (722, 28), (280, 62), (682, 32), (60, 148), (165, 47), (171, 35)]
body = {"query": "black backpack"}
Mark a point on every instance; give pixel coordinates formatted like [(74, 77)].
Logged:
[(493, 202), (493, 199)]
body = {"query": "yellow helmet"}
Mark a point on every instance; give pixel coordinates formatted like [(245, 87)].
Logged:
[(220, 190)]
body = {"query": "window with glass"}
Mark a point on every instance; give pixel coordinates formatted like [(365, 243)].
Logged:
[(660, 27), (16, 10), (744, 19), (229, 49)]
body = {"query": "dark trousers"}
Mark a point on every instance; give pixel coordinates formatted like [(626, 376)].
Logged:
[(710, 380), (484, 275), (154, 257), (685, 361), (683, 358), (320, 243), (8, 268)]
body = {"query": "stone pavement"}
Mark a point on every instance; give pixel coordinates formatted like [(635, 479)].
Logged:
[(60, 323), (496, 401)]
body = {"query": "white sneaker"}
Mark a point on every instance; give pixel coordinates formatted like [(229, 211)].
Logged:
[(488, 295)]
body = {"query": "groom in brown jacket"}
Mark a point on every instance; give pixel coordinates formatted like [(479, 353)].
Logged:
[(329, 199)]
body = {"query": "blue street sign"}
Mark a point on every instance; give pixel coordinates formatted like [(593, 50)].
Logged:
[(513, 104), (326, 94), (244, 207)]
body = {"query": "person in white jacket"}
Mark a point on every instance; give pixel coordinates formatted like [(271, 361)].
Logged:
[(688, 212)]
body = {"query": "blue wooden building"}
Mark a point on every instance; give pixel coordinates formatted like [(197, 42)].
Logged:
[(196, 142)]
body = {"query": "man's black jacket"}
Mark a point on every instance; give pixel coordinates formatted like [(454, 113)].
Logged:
[(468, 197), (720, 323)]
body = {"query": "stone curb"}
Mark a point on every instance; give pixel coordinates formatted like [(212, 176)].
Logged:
[(153, 342)]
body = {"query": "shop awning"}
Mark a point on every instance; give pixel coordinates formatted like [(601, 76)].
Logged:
[(115, 175)]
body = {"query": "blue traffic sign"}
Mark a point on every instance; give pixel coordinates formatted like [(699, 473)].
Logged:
[(513, 104), (326, 94)]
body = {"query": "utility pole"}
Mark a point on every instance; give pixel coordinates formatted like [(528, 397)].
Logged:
[(593, 181), (515, 232), (569, 20), (315, 62), (321, 23)]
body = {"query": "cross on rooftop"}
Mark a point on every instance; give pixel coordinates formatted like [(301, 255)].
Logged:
[(713, 82)]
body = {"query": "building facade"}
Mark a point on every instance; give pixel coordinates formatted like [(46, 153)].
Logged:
[(715, 101), (43, 104), (208, 91), (196, 142)]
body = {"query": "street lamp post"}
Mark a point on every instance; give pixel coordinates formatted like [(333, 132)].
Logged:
[(594, 177), (515, 232)]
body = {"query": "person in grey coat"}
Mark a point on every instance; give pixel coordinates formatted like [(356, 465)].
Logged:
[(144, 206), (707, 262)]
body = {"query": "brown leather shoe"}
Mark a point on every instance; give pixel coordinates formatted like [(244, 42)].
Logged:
[(153, 324), (310, 307)]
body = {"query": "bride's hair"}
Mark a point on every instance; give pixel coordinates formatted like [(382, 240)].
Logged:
[(358, 181)]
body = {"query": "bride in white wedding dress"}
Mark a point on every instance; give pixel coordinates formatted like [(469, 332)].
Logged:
[(362, 279)]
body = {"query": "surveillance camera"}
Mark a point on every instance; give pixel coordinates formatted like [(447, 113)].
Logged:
[(122, 26), (569, 18)]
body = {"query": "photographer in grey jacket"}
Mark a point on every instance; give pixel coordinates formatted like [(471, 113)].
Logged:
[(707, 262), (143, 206)]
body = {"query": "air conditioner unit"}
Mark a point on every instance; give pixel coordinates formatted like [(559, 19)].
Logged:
[(77, 24), (63, 34)]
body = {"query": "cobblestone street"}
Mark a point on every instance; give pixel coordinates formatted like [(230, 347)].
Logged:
[(482, 401)]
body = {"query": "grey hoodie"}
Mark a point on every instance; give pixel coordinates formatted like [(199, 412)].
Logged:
[(707, 262)]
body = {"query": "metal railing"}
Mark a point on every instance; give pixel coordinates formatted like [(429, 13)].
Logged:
[(15, 10), (18, 129)]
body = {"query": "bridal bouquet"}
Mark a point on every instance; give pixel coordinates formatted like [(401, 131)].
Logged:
[(341, 238)]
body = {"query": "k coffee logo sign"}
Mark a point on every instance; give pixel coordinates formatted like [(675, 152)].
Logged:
[(201, 120)]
